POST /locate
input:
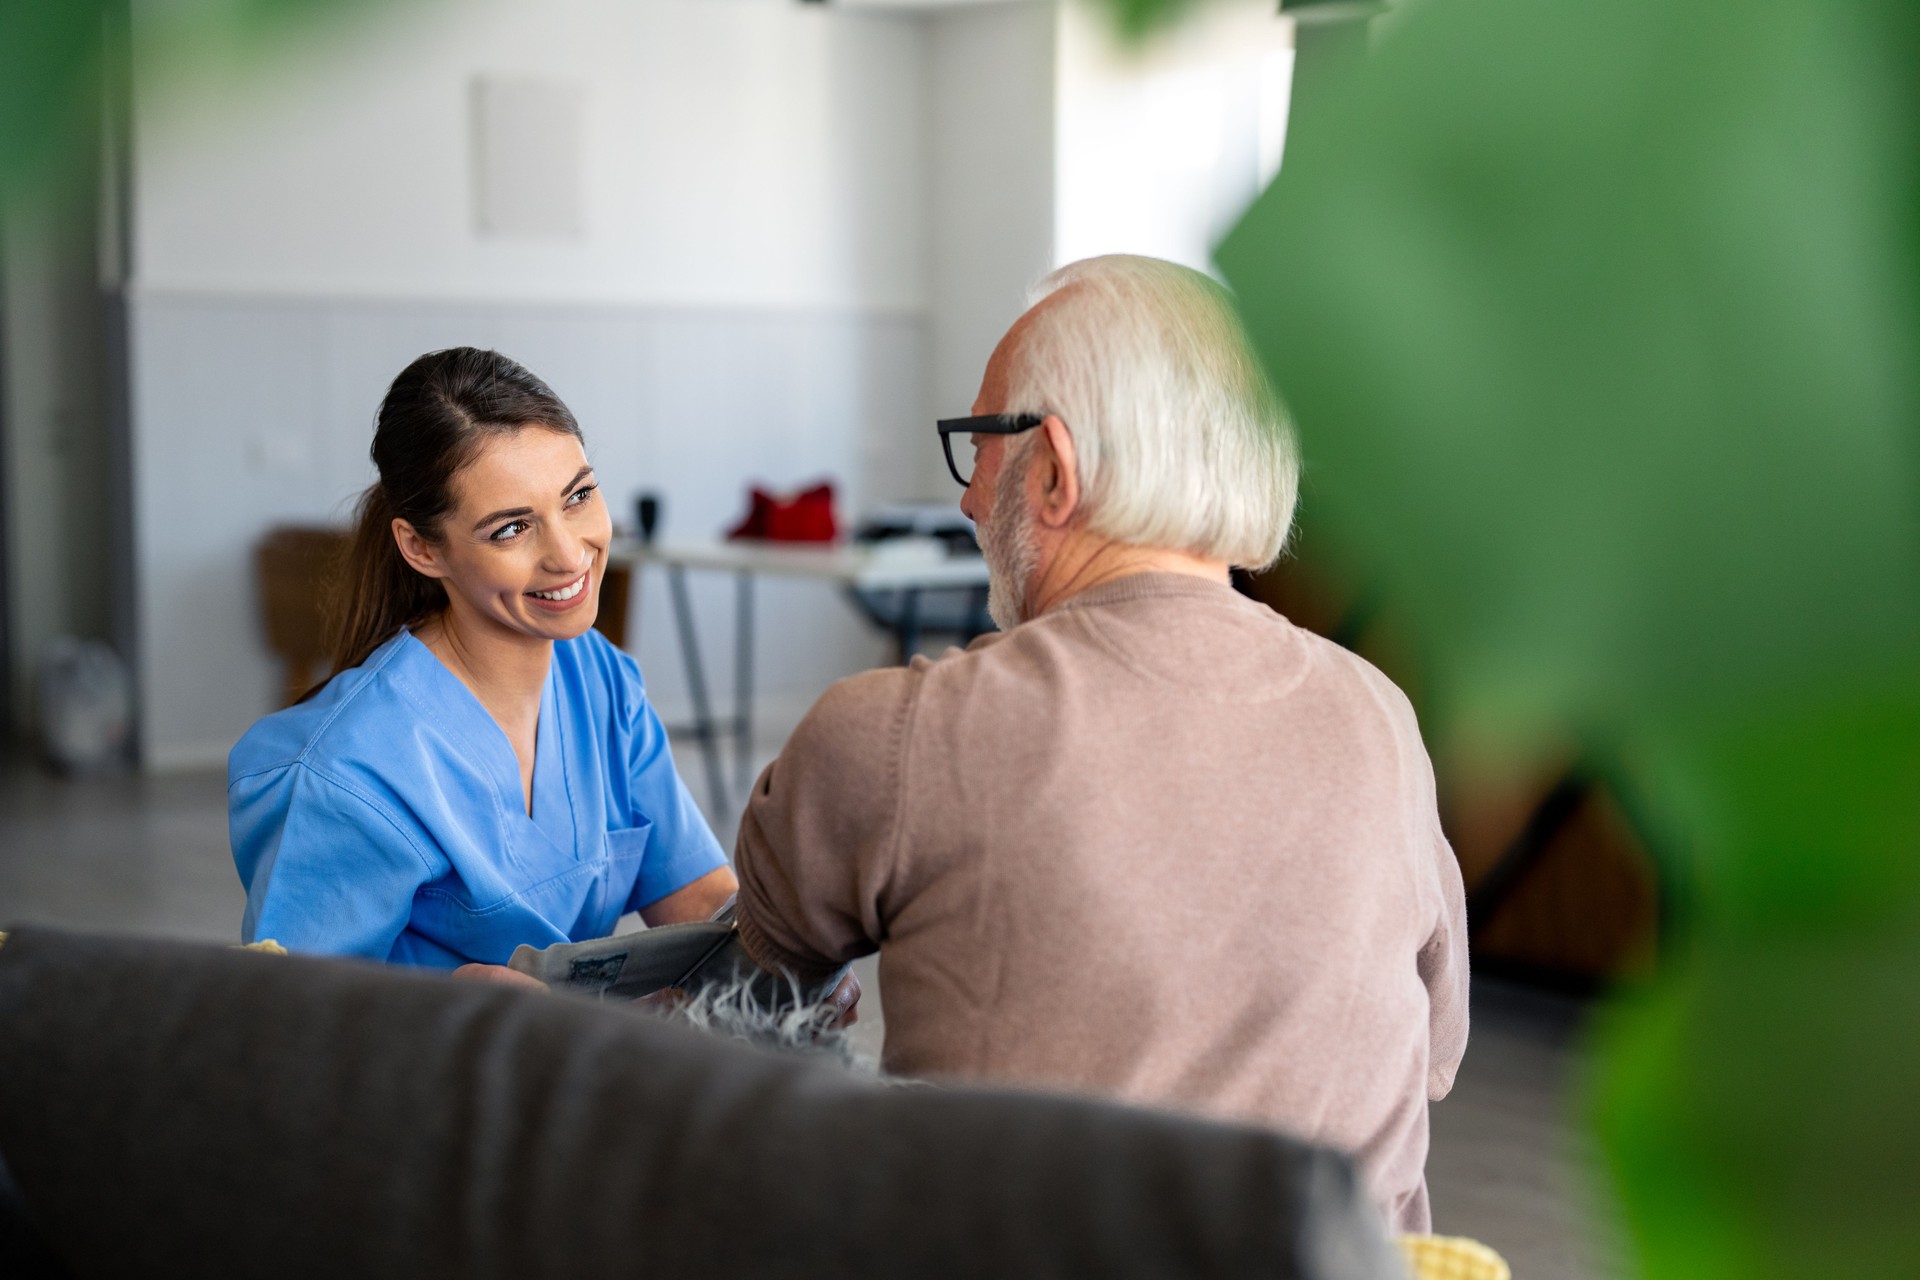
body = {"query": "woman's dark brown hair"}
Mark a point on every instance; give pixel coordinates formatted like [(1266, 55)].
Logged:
[(435, 417)]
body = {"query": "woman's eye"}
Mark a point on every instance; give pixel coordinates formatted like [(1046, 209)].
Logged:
[(508, 531), (581, 496)]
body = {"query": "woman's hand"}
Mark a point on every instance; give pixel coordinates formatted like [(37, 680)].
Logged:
[(498, 975)]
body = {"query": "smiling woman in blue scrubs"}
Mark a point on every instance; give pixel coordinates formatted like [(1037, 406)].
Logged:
[(483, 768)]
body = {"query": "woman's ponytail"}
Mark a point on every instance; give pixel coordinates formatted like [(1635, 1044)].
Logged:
[(432, 422), (379, 592)]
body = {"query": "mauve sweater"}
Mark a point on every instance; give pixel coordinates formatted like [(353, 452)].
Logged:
[(1158, 844)]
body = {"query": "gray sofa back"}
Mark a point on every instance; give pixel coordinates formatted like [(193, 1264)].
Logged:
[(178, 1110)]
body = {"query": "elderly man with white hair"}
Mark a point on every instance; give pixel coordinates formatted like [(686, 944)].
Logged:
[(1151, 841)]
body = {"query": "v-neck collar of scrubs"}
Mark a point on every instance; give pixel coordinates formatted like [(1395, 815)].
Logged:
[(462, 714)]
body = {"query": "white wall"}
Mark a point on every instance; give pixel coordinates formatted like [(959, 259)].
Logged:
[(1055, 143), (992, 192), (1161, 149), (750, 153), (746, 303)]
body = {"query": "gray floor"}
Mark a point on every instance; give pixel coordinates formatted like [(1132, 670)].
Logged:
[(149, 855), (1508, 1165), (127, 855)]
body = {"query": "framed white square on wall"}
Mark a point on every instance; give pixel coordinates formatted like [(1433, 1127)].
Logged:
[(529, 158)]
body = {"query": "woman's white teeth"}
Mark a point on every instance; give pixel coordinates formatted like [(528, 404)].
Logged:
[(564, 593)]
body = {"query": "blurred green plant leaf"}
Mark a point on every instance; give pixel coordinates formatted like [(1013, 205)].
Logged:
[(49, 69), (1757, 1108), (56, 56), (1134, 20), (1602, 327), (1599, 326), (1803, 813)]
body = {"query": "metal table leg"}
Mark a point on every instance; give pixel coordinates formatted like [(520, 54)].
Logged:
[(909, 624), (703, 723), (743, 681)]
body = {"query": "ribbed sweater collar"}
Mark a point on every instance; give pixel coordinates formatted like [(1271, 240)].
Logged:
[(1147, 586)]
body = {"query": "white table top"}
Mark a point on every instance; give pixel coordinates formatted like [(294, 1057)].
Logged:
[(899, 565)]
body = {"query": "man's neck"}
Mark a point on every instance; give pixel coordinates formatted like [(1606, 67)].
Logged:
[(1083, 561)]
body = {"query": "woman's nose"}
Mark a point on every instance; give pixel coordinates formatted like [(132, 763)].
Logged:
[(567, 550)]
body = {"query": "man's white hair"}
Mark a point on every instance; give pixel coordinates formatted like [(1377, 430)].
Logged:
[(1182, 443)]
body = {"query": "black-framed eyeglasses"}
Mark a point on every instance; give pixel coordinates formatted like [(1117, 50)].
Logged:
[(992, 424)]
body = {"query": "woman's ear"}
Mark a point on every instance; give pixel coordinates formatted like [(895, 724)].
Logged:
[(1059, 475), (416, 550)]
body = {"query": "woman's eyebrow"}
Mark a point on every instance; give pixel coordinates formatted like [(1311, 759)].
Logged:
[(509, 513), (504, 514)]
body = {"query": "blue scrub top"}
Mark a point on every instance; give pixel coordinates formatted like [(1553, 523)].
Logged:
[(384, 816)]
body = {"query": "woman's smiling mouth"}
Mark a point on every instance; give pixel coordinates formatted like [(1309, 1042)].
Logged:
[(561, 595)]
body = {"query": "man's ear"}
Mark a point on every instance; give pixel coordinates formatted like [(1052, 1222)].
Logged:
[(416, 550), (1058, 474)]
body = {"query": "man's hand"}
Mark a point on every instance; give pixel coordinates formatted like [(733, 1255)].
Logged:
[(498, 975), (844, 1001)]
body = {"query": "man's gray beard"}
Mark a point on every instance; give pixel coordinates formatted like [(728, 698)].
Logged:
[(1006, 540)]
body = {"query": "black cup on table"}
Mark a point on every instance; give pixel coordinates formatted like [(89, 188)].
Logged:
[(646, 511)]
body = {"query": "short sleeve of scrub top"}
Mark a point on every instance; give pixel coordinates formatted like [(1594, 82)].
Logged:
[(384, 817)]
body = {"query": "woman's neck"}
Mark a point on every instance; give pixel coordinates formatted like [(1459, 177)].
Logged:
[(505, 670)]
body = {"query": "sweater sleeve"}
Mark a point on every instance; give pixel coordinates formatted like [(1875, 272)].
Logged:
[(818, 841), (1442, 959), (1443, 968)]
